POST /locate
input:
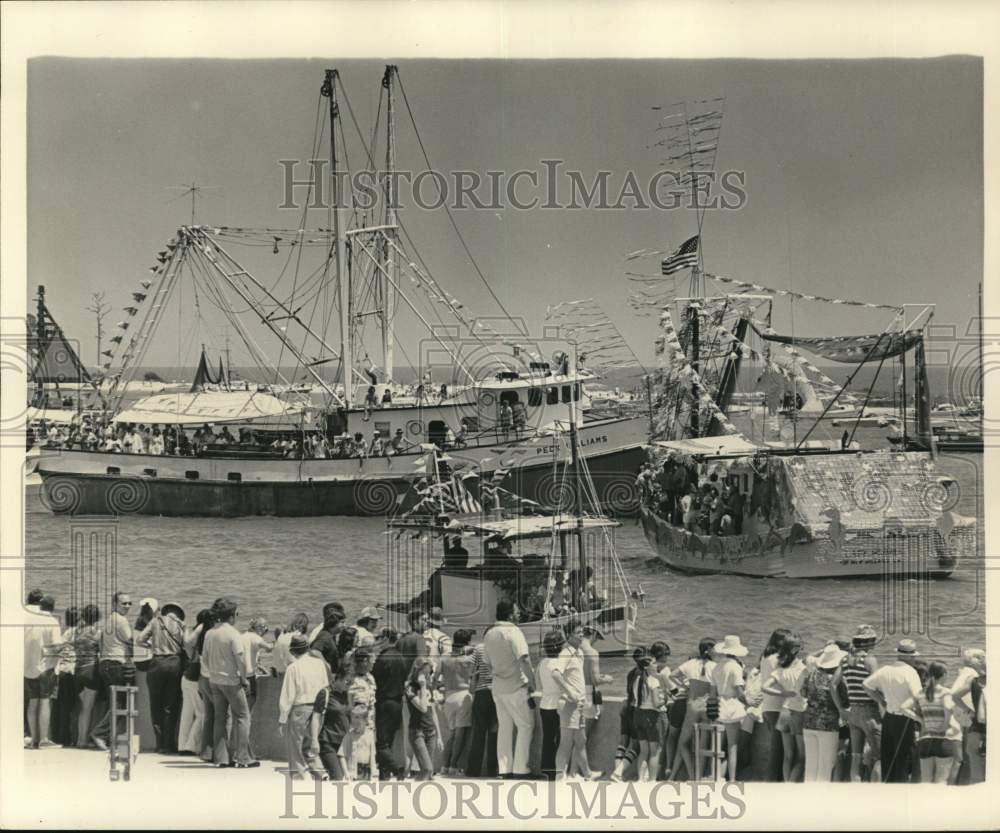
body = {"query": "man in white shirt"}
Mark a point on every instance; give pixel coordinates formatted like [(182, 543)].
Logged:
[(304, 679), (513, 682), (568, 673), (438, 642), (116, 664), (253, 642), (891, 686), (42, 641)]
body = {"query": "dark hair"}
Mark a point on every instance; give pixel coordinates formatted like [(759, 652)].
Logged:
[(553, 643), (390, 635), (48, 604), (146, 614), (35, 596), (300, 623), (91, 614), (205, 618), (224, 609), (346, 640), (705, 647), (659, 649), (921, 668), (789, 650), (775, 642), (935, 672), (462, 637), (414, 616), (571, 626), (505, 610), (71, 616)]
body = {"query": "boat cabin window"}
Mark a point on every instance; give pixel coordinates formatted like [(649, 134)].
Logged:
[(553, 397), (384, 429), (191, 475), (510, 397), (114, 470), (576, 392), (470, 424), (437, 431), (535, 397), (234, 476), (149, 472), (567, 392)]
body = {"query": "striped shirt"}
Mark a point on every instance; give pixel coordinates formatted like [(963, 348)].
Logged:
[(854, 673), (482, 671)]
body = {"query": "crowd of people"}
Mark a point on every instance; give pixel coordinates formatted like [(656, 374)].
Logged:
[(360, 701), (711, 506), (92, 434)]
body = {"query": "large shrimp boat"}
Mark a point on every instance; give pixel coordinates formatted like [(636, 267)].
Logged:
[(771, 499), (483, 388)]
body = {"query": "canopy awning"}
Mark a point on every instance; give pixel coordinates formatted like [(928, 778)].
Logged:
[(850, 349), (509, 529), (212, 407), (728, 445)]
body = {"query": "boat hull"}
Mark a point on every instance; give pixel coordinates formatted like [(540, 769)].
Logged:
[(98, 483), (746, 555)]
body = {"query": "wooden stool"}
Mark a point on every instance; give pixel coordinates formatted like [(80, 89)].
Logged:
[(123, 748), (715, 754)]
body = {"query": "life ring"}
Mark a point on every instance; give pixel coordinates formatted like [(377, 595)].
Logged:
[(415, 427)]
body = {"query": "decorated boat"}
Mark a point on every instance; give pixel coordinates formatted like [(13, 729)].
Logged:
[(349, 442), (468, 543), (778, 499)]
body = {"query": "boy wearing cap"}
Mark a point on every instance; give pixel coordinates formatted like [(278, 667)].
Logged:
[(367, 624), (891, 686)]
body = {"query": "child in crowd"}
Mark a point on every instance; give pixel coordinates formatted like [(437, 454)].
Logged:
[(422, 729)]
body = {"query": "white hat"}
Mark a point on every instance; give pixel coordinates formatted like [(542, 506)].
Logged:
[(831, 657), (731, 646), (370, 612)]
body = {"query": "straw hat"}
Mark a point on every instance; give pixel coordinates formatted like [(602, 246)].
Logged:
[(907, 648), (831, 657), (370, 612), (865, 635), (176, 608), (731, 646)]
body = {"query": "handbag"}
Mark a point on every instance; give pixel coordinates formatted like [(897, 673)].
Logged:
[(596, 697)]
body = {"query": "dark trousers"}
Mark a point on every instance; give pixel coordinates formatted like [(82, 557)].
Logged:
[(388, 721), (550, 741), (775, 756), (164, 682), (112, 673), (897, 748), (63, 726), (483, 739)]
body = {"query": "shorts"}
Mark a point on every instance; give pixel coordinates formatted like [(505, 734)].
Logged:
[(41, 687), (696, 709), (790, 722), (937, 748), (428, 732), (676, 713), (731, 710), (865, 717), (87, 677), (646, 725), (591, 711), (457, 709), (625, 721), (570, 716)]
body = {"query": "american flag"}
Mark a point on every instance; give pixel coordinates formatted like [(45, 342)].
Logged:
[(685, 257)]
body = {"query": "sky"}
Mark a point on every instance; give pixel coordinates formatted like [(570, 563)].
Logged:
[(863, 179)]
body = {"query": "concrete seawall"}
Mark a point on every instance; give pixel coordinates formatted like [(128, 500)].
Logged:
[(267, 744)]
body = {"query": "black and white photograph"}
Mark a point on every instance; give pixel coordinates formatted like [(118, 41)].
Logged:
[(579, 406)]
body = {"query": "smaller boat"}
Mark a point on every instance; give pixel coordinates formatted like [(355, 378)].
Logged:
[(555, 566)]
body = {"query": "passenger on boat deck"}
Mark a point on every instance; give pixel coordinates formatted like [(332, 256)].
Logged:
[(377, 447), (443, 393), (420, 395), (506, 417), (371, 399), (399, 442), (156, 443), (386, 397), (224, 437)]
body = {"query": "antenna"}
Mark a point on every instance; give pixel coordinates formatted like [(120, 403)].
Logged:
[(100, 310), (193, 189)]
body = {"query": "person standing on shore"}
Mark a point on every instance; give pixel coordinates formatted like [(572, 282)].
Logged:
[(483, 732), (224, 659), (513, 682), (87, 647), (164, 636), (189, 734), (939, 737), (568, 674), (860, 712), (390, 672), (42, 641), (453, 676), (303, 680), (116, 659), (281, 656), (325, 641), (891, 686), (821, 719)]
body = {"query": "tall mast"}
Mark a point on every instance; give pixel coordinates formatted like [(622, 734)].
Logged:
[(577, 479), (694, 308), (388, 291), (329, 90)]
